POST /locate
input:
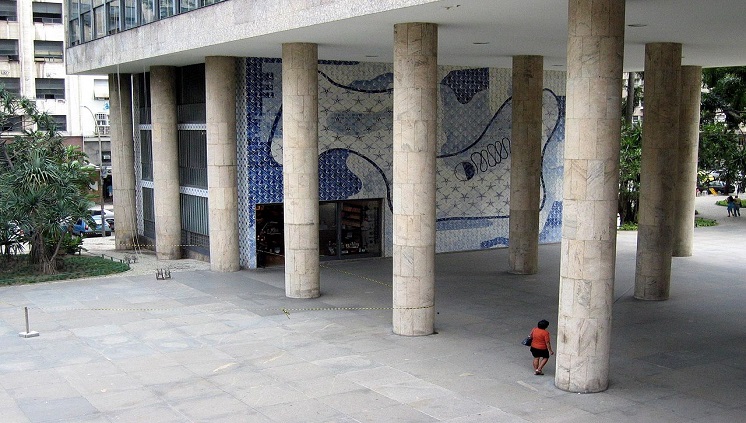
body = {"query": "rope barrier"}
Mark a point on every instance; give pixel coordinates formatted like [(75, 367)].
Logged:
[(286, 310)]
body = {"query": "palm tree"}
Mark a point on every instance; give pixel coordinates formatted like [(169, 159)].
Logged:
[(43, 183)]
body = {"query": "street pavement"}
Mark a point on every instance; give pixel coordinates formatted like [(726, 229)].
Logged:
[(213, 347)]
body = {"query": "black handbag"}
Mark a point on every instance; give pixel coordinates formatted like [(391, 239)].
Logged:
[(527, 341)]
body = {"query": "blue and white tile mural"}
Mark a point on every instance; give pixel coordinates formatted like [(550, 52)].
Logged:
[(355, 148)]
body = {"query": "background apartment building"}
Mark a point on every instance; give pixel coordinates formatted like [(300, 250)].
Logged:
[(32, 65)]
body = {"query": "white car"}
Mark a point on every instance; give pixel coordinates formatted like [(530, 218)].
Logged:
[(108, 215), (96, 211)]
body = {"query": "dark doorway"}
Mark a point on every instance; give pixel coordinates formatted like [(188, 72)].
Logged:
[(270, 242), (347, 229), (350, 229)]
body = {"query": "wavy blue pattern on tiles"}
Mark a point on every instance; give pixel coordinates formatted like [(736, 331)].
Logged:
[(355, 144)]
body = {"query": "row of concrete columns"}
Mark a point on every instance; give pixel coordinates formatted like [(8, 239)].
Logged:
[(668, 169), (670, 137), (595, 52), (221, 157)]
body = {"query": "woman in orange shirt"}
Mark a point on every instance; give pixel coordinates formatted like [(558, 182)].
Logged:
[(541, 348)]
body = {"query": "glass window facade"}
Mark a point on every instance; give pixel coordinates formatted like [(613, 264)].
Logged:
[(8, 49), (193, 158), (56, 123), (50, 88), (148, 212), (146, 155), (12, 85), (12, 124), (8, 10), (47, 12), (195, 231), (48, 50), (113, 14), (92, 19)]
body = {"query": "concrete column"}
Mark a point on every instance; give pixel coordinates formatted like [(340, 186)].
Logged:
[(595, 51), (220, 82), (525, 163), (165, 163), (300, 157), (122, 160), (658, 171), (684, 196), (415, 142)]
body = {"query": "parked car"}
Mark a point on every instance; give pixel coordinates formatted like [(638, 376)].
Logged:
[(82, 228), (96, 210), (108, 215), (720, 187)]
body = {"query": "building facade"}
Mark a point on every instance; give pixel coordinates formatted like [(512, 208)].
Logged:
[(32, 65), (294, 132), (355, 162)]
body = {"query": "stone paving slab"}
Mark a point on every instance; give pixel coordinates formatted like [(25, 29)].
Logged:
[(210, 347)]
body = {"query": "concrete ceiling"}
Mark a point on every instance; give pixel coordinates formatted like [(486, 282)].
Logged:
[(490, 32)]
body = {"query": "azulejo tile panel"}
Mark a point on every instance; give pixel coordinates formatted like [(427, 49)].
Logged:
[(355, 148)]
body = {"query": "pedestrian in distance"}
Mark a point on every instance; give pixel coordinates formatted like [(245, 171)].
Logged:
[(541, 347), (736, 206), (729, 202)]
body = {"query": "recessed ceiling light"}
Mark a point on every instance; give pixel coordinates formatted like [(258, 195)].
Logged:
[(481, 43), (370, 56), (637, 25)]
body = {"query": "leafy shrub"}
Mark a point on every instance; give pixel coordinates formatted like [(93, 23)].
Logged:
[(70, 267), (700, 222)]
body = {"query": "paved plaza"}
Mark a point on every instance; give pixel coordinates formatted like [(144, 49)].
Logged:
[(211, 347)]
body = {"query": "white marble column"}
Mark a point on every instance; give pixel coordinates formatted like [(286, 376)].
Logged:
[(595, 52), (415, 142), (122, 160), (165, 163), (220, 86), (658, 171), (300, 163), (684, 196), (525, 164)]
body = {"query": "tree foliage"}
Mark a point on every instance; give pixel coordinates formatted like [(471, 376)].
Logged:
[(633, 91), (43, 183), (724, 95), (723, 116), (630, 155), (721, 152)]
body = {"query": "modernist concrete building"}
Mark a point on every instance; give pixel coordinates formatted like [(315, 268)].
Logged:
[(259, 132), (32, 36)]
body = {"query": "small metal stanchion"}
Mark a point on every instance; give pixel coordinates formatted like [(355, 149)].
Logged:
[(162, 274), (28, 333)]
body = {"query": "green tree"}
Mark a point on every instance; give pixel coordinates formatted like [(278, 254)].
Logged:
[(633, 91), (630, 155), (724, 95), (720, 151), (43, 183)]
